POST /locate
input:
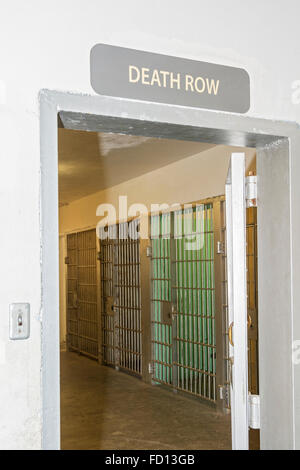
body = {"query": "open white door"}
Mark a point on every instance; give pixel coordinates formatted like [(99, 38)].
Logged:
[(237, 299)]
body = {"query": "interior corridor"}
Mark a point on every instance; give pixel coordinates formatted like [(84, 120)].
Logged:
[(105, 409)]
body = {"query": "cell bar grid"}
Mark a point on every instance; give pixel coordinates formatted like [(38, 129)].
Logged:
[(161, 292), (184, 351), (107, 314), (121, 297), (196, 342), (82, 320)]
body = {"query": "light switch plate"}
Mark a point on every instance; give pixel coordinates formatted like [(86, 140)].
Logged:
[(19, 321)]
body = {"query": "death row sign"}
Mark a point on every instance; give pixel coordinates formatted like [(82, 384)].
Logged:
[(147, 76), (163, 78)]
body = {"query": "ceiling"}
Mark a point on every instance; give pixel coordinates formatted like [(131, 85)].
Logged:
[(91, 161)]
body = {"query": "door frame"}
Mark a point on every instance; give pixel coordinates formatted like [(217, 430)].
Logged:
[(278, 167), (235, 199)]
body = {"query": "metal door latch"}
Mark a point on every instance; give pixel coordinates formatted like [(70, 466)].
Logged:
[(251, 190), (254, 411), (220, 248), (166, 312), (149, 251), (151, 368), (109, 304), (224, 393)]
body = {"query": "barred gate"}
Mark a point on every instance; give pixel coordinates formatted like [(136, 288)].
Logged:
[(121, 297), (191, 282), (82, 313), (162, 337), (107, 313), (196, 341), (72, 288), (183, 305)]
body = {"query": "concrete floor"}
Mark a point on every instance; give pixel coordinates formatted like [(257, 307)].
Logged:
[(105, 409)]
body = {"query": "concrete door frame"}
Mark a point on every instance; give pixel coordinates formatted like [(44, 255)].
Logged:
[(278, 169)]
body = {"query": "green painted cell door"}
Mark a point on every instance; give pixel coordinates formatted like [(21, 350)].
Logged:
[(183, 300)]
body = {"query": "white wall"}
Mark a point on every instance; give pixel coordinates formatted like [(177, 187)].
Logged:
[(46, 45)]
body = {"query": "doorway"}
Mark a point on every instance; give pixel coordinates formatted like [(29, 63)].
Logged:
[(72, 119), (149, 306)]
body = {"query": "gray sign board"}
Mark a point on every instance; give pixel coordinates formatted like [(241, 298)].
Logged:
[(146, 76)]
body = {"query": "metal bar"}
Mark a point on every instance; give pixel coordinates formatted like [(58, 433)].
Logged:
[(145, 292), (99, 296), (115, 294)]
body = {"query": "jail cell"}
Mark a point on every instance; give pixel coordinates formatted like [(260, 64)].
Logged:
[(183, 305), (82, 312), (107, 313), (224, 293), (188, 334), (121, 297), (72, 289), (161, 331)]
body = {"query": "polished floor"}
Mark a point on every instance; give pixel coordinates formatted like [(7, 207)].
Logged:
[(105, 409)]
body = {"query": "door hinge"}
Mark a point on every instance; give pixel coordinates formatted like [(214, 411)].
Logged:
[(67, 260), (254, 411), (149, 251), (220, 248), (251, 190), (99, 256)]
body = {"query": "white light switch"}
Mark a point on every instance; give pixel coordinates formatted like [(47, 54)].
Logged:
[(19, 321)]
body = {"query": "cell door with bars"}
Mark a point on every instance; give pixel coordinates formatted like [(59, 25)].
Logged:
[(183, 300), (72, 293), (121, 297), (82, 308)]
